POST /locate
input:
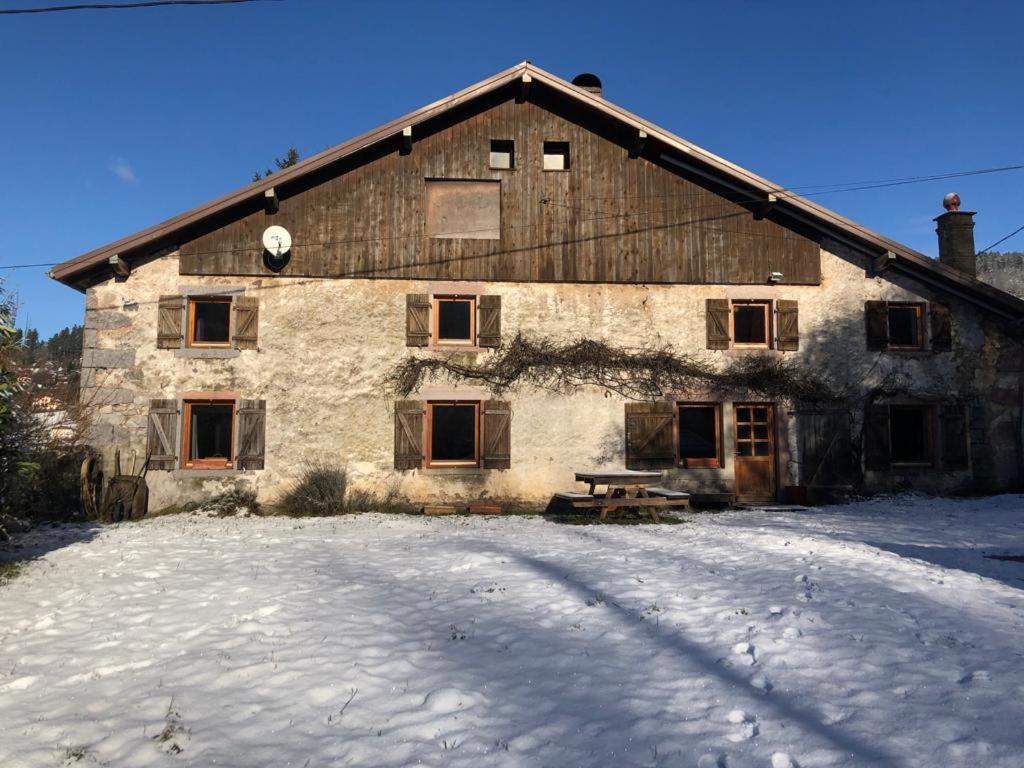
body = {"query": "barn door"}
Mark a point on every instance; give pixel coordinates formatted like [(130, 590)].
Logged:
[(755, 451), (826, 449)]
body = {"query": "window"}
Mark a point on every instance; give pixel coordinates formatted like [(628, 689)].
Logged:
[(208, 434), (753, 437), (455, 320), (751, 323), (209, 321), (463, 210), (699, 435), (453, 430), (503, 154), (906, 329), (556, 155), (910, 434)]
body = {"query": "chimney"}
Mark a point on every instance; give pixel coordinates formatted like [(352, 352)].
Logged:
[(955, 229), (588, 82)]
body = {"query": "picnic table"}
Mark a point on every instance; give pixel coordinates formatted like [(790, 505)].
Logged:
[(624, 489)]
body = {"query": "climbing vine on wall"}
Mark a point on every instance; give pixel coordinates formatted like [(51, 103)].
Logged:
[(638, 374)]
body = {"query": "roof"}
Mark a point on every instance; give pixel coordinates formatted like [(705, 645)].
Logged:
[(678, 151)]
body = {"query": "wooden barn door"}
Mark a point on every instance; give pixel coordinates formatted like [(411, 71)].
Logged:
[(755, 451)]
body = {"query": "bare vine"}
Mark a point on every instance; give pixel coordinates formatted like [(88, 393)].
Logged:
[(645, 373)]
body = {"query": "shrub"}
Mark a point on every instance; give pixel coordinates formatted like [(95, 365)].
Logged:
[(234, 502), (320, 490)]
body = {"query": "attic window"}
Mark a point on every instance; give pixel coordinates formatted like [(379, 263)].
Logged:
[(503, 154), (751, 323), (209, 321), (556, 155), (463, 210)]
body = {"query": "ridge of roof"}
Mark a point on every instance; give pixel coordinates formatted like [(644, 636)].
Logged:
[(904, 256)]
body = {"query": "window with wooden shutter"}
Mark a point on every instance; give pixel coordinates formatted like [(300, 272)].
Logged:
[(252, 428), (497, 435), (246, 311), (408, 434), (788, 325), (489, 325), (877, 455), (169, 322), (650, 442), (162, 434), (942, 327), (876, 320), (417, 320), (718, 323), (953, 423)]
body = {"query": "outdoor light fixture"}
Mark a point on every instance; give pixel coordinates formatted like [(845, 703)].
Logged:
[(774, 277)]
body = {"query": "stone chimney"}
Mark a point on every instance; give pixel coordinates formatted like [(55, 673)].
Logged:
[(955, 229)]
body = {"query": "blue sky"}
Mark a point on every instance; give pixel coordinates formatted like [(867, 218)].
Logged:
[(115, 120)]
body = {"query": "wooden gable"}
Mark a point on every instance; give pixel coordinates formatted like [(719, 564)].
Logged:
[(609, 218)]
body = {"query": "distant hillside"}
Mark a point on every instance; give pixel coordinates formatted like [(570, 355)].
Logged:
[(1003, 270)]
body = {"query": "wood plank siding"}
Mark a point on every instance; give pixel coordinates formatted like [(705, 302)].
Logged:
[(608, 218)]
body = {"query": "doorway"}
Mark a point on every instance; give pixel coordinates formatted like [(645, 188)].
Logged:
[(755, 451)]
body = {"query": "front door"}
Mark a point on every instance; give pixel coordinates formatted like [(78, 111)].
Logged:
[(755, 452)]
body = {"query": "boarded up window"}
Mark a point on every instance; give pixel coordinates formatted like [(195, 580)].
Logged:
[(649, 439), (162, 434), (463, 210)]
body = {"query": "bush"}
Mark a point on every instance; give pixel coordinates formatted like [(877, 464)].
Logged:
[(320, 490), (237, 501)]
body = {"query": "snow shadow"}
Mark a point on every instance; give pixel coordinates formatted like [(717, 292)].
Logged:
[(976, 560), (38, 542), (694, 657)]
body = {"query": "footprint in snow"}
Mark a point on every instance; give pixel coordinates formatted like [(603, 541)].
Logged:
[(746, 726), (761, 682), (775, 611), (782, 760), (978, 676), (711, 760), (791, 633), (746, 652)]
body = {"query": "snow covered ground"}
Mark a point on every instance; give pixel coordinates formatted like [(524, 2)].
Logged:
[(874, 633)]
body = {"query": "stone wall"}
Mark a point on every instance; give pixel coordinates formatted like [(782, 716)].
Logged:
[(325, 345), (1003, 270)]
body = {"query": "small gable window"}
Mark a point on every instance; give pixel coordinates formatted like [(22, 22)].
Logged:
[(751, 323), (455, 320), (906, 327), (556, 155), (209, 321), (503, 155)]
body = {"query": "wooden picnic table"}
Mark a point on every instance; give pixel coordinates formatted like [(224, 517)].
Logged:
[(624, 489)]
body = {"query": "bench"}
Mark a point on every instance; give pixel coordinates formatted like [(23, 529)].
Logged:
[(576, 499), (668, 493)]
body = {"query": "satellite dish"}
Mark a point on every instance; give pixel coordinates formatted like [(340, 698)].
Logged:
[(277, 240)]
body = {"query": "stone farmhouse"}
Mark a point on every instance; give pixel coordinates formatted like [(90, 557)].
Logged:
[(256, 333)]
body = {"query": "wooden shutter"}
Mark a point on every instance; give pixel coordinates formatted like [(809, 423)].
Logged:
[(788, 325), (942, 328), (826, 449), (488, 321), (246, 310), (876, 319), (408, 434), (417, 320), (169, 322), (497, 437), (953, 423), (718, 323), (650, 442), (162, 435), (877, 452), (251, 434)]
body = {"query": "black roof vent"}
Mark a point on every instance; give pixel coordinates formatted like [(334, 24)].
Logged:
[(588, 82)]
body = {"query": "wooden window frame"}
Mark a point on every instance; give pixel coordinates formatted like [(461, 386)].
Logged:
[(435, 320), (562, 145), (511, 151), (692, 463), (919, 310), (428, 437), (930, 413), (769, 327), (190, 318), (186, 435)]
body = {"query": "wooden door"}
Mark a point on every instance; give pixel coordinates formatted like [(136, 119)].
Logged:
[(755, 451)]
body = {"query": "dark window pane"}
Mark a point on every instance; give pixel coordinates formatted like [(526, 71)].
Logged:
[(453, 436), (556, 155), (761, 431), (212, 321), (697, 430), (743, 432), (502, 154), (749, 324), (908, 428), (454, 320), (743, 449), (210, 432), (903, 327), (742, 414), (761, 449)]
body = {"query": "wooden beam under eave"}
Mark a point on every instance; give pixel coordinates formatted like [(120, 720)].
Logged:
[(270, 202), (524, 88), (639, 142), (406, 147), (119, 267), (884, 261)]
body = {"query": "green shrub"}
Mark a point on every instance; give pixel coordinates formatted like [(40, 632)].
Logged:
[(320, 490)]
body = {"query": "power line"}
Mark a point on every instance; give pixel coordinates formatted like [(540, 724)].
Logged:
[(126, 6), (1002, 239)]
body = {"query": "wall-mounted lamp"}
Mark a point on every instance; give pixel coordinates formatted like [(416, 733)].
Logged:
[(774, 277)]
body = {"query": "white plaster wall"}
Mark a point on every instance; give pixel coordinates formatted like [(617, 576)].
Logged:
[(324, 346)]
